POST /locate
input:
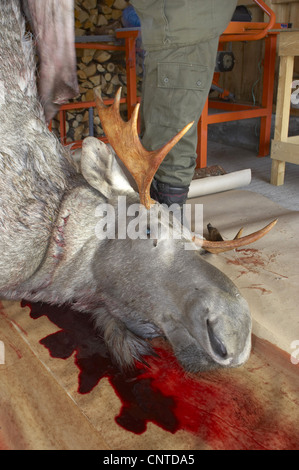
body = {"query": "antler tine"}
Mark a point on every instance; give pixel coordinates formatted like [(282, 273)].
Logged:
[(222, 246), (123, 137)]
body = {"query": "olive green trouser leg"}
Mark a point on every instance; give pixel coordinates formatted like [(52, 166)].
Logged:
[(176, 86), (180, 38)]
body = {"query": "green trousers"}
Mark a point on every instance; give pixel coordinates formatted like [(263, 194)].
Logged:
[(180, 39)]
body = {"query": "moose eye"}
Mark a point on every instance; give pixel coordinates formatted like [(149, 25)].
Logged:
[(148, 234)]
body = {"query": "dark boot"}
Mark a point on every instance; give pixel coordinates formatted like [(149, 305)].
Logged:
[(164, 193)]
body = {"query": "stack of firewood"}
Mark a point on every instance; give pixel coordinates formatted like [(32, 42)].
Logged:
[(96, 68), (98, 17)]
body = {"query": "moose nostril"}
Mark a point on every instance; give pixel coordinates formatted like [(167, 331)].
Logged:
[(216, 343)]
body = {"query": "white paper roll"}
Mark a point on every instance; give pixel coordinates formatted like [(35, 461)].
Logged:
[(217, 184)]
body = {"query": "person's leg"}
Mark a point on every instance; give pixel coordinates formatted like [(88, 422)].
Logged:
[(181, 40), (177, 83)]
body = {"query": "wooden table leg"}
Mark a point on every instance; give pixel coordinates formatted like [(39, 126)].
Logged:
[(268, 89), (282, 116), (277, 172), (202, 132)]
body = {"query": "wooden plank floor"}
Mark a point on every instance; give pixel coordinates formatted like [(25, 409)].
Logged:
[(43, 404), (35, 411)]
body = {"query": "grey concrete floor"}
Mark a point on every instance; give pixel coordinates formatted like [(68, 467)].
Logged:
[(233, 158)]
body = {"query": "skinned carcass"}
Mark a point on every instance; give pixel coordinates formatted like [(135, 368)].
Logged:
[(53, 23), (136, 289)]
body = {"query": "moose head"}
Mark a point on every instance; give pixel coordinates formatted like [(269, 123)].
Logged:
[(159, 288)]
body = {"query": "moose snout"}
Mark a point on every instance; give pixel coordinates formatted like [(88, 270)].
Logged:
[(216, 341), (228, 337), (217, 344), (219, 323)]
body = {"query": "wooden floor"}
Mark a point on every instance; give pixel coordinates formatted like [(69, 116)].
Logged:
[(49, 401)]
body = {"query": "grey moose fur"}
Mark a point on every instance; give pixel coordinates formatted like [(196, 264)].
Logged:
[(135, 289)]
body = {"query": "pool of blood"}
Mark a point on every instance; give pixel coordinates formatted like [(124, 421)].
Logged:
[(222, 411)]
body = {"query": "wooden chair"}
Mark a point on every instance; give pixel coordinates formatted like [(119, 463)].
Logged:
[(245, 31)]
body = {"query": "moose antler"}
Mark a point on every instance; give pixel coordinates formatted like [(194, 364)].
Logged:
[(143, 164), (124, 139), (237, 242)]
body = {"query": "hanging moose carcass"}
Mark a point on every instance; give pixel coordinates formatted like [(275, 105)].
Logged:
[(135, 289)]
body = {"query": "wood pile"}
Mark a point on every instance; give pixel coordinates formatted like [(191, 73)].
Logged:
[(96, 68)]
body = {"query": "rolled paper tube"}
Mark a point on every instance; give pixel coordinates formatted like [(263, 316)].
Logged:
[(217, 184)]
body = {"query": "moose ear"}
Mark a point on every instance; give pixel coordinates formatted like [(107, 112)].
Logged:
[(100, 168)]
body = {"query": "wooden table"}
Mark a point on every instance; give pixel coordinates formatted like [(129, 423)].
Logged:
[(284, 149)]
